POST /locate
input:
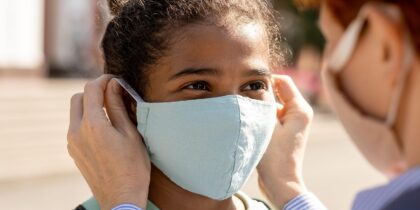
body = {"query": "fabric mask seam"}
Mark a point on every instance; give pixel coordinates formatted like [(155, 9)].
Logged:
[(145, 128), (236, 146)]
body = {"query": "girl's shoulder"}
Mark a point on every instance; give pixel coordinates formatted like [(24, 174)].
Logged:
[(251, 204)]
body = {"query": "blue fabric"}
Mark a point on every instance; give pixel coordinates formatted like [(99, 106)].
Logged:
[(377, 198), (401, 193), (408, 201), (92, 204), (306, 201), (207, 146), (126, 206), (249, 203)]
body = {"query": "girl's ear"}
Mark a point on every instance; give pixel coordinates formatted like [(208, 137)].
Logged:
[(131, 106)]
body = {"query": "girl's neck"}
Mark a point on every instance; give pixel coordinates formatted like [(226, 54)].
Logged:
[(167, 195)]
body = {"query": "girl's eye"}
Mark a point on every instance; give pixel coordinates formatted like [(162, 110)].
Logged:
[(198, 86), (255, 86)]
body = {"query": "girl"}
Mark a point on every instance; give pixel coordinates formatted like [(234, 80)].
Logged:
[(200, 75)]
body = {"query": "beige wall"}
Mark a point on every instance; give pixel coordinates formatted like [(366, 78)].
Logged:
[(21, 35)]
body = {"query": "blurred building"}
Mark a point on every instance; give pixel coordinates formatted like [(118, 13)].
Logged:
[(61, 38), (51, 37)]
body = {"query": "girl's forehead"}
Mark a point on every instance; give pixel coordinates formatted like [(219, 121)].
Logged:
[(240, 40), (213, 47)]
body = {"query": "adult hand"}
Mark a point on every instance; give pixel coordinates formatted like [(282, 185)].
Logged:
[(280, 170), (107, 147)]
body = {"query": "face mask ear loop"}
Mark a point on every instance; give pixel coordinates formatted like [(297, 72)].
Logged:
[(397, 93), (346, 45), (129, 89)]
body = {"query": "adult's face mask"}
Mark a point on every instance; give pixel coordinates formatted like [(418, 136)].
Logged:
[(206, 146), (375, 139)]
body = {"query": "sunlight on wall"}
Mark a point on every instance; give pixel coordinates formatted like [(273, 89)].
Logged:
[(21, 33)]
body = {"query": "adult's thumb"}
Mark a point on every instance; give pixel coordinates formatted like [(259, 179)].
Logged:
[(115, 108)]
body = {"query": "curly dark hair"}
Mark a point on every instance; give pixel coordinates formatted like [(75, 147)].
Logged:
[(141, 30)]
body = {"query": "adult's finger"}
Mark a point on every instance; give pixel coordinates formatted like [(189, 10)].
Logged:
[(115, 107), (286, 89), (93, 98), (294, 103), (76, 111)]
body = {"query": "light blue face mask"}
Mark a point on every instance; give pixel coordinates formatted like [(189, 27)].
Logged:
[(206, 146)]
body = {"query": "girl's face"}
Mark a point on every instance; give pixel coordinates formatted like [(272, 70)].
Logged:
[(208, 61)]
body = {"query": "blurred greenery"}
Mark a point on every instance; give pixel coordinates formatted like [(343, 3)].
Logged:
[(299, 27)]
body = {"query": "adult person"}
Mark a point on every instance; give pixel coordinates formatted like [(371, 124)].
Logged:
[(372, 77), (205, 107)]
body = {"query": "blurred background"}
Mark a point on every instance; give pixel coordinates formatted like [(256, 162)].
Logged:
[(50, 48)]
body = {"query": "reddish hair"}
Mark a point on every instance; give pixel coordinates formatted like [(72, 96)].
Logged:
[(346, 11)]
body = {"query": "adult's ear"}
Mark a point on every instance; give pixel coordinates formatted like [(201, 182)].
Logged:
[(387, 24)]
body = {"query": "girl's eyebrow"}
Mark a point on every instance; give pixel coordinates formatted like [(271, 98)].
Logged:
[(257, 72), (215, 72), (193, 71)]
